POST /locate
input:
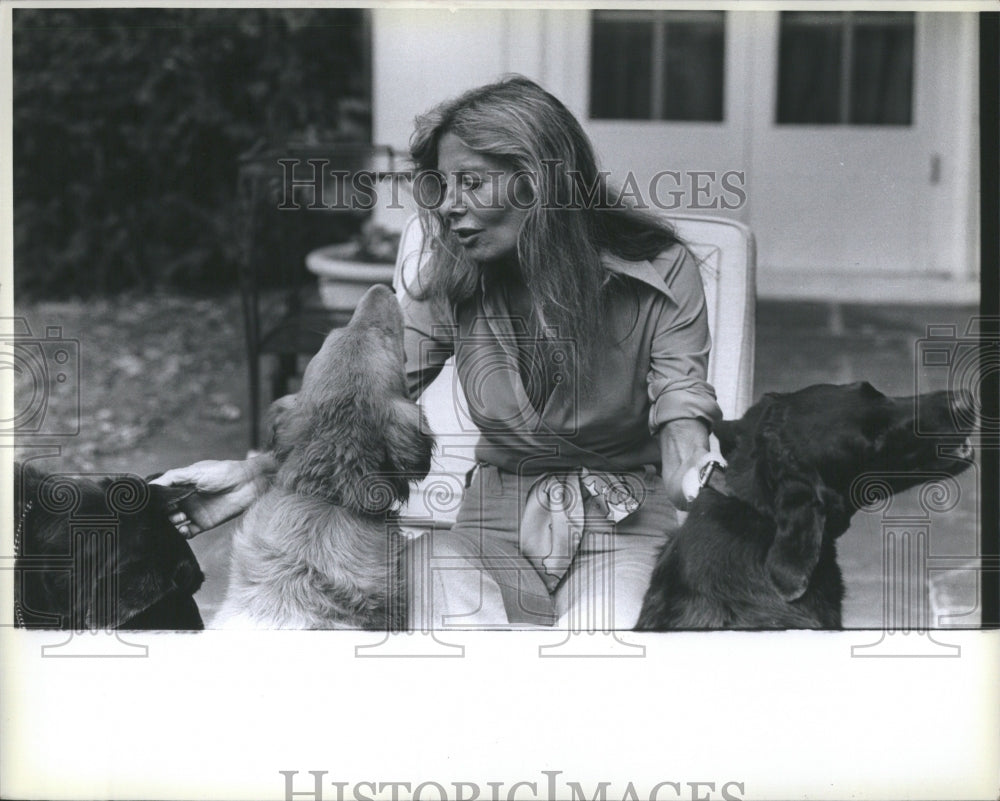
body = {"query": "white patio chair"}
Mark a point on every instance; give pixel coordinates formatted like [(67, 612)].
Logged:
[(726, 254)]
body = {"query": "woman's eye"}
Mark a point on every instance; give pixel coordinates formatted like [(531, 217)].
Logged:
[(469, 181)]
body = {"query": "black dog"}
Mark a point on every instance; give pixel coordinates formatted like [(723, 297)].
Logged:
[(100, 555), (761, 553)]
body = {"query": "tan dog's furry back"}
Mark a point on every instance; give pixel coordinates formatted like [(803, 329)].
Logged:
[(320, 550)]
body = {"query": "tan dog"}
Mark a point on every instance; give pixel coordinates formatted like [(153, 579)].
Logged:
[(320, 549)]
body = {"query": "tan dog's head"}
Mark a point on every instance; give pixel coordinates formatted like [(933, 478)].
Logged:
[(352, 435)]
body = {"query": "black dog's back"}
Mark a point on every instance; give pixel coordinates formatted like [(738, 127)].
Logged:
[(100, 554)]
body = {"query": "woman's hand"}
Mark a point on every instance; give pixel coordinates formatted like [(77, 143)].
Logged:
[(220, 490), (683, 450)]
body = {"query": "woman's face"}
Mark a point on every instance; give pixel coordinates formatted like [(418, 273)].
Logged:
[(484, 204)]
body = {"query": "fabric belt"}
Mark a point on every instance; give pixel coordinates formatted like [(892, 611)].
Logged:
[(554, 515)]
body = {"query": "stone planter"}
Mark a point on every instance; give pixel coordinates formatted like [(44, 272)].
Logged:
[(343, 277)]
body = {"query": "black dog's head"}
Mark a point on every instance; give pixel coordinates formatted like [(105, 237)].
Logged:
[(352, 435), (796, 456), (100, 554)]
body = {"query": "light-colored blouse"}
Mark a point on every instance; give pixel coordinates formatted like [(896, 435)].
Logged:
[(648, 370)]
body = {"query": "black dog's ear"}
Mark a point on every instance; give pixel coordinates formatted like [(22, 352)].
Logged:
[(792, 494), (801, 520)]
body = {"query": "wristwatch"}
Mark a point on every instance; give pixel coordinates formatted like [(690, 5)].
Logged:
[(701, 474)]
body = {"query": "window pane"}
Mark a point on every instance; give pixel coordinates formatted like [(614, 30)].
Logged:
[(846, 67), (694, 68), (666, 65), (809, 68), (620, 70), (882, 70)]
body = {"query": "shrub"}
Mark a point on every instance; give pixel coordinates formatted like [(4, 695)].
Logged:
[(128, 125)]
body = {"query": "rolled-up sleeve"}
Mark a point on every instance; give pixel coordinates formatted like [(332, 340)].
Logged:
[(677, 382), (428, 340)]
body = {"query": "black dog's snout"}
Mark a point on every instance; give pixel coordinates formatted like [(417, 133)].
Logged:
[(963, 404)]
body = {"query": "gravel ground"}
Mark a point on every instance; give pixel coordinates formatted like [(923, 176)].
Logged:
[(165, 371)]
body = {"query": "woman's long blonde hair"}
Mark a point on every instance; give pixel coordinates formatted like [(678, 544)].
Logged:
[(565, 232)]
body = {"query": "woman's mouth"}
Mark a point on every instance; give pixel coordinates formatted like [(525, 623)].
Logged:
[(467, 236)]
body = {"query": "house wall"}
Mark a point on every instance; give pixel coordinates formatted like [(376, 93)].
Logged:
[(847, 212)]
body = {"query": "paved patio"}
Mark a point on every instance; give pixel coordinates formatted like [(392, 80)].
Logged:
[(897, 560)]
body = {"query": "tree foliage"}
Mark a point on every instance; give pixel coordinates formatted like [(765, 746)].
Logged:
[(128, 126)]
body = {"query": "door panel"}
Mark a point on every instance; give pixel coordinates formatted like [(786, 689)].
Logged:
[(842, 196)]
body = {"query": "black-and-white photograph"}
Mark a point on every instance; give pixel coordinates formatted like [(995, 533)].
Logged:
[(605, 334)]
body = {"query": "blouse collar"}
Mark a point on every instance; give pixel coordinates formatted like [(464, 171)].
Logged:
[(651, 273)]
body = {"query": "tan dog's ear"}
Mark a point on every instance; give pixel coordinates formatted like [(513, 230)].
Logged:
[(801, 520), (276, 423), (341, 453), (409, 443)]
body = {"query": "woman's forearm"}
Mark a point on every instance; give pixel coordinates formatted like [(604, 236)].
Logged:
[(682, 443)]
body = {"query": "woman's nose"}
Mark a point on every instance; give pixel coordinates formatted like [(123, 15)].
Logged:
[(453, 205)]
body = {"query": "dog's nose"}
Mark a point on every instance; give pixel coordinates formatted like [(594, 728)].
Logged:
[(378, 301), (375, 294), (379, 308)]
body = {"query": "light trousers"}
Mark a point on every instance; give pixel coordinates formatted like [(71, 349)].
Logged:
[(476, 576)]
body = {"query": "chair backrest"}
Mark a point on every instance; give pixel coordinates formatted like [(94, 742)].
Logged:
[(727, 259), (727, 256)]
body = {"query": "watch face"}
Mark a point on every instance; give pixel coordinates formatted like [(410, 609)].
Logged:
[(708, 469)]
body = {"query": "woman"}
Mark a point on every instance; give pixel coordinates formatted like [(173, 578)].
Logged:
[(580, 335)]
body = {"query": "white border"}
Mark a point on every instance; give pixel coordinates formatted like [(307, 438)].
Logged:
[(218, 716)]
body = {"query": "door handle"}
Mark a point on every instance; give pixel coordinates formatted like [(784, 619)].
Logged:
[(935, 169)]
